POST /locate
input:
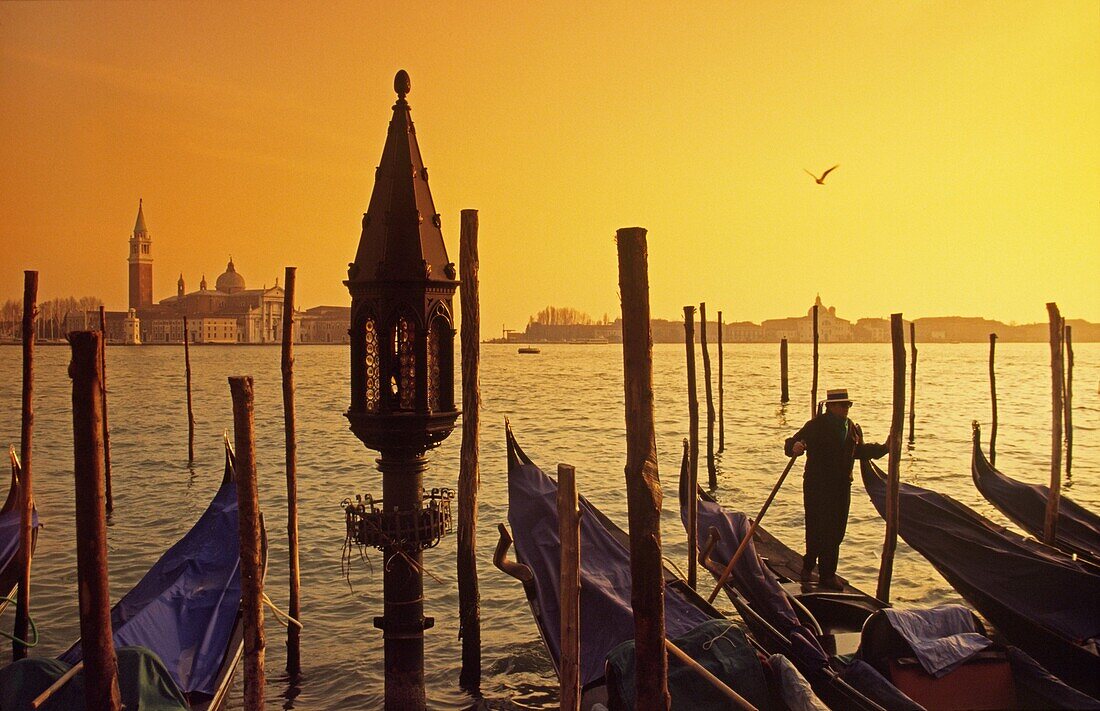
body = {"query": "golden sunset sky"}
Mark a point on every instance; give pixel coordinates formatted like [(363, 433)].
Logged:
[(967, 133)]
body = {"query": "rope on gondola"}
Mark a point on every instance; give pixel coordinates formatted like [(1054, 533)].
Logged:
[(281, 617)]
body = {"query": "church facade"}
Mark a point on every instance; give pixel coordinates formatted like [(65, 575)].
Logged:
[(228, 313)]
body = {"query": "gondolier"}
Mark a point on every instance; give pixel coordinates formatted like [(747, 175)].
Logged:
[(832, 443)]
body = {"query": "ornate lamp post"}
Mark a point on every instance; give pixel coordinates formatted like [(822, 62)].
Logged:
[(402, 388)]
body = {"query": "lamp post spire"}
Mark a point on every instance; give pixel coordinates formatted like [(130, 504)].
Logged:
[(402, 388)]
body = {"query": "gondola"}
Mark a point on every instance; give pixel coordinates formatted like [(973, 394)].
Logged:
[(10, 519), (811, 625), (1078, 529), (607, 623), (186, 610), (788, 616), (1036, 596)]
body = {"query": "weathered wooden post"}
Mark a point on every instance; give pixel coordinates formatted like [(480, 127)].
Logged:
[(813, 387), (26, 487), (110, 503), (693, 391), (643, 484), (569, 531), (1050, 525), (784, 392), (712, 471), (100, 664), (912, 380), (721, 389), (293, 631), (469, 474), (1069, 403), (249, 526), (689, 485), (893, 479), (190, 412), (993, 399)]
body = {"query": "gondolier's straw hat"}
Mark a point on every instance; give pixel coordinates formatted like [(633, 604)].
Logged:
[(838, 395)]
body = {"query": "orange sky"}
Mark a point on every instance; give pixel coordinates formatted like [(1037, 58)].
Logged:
[(967, 133)]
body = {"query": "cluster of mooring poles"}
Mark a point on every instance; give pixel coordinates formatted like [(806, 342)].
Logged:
[(713, 415), (91, 467), (1061, 391), (1061, 430)]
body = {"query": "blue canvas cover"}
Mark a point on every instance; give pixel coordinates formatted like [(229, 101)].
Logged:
[(1037, 582), (756, 584), (1078, 529), (607, 618), (185, 607)]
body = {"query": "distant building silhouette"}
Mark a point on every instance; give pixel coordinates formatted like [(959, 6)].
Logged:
[(230, 313), (141, 264), (799, 329)]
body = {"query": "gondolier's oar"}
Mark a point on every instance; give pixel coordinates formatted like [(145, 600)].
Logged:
[(752, 529), (732, 696), (53, 688)]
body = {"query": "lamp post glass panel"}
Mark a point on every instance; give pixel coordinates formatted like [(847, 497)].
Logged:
[(402, 286)]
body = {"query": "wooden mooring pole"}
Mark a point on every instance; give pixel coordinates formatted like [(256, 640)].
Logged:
[(993, 399), (813, 387), (26, 481), (690, 484), (293, 631), (190, 411), (893, 479), (693, 393), (643, 483), (784, 391), (912, 381), (249, 527), (712, 470), (469, 473), (1068, 405), (1050, 525), (100, 665), (569, 531), (721, 389), (110, 503)]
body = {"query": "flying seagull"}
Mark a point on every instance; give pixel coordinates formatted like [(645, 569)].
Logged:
[(821, 180)]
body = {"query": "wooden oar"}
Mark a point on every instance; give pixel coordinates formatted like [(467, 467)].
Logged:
[(732, 696), (752, 530), (53, 688)]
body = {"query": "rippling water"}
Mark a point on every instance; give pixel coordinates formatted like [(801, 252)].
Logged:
[(566, 405)]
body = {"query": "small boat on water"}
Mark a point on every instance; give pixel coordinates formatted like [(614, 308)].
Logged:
[(607, 621), (1038, 597), (790, 617), (529, 349), (10, 519), (1078, 529), (179, 631)]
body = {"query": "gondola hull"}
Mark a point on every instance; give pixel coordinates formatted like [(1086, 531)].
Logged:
[(1077, 529), (1037, 597)]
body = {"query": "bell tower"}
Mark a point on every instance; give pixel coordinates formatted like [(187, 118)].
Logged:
[(141, 264)]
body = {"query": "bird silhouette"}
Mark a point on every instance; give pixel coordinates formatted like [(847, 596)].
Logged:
[(821, 180)]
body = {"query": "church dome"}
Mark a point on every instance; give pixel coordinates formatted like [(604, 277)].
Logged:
[(230, 281)]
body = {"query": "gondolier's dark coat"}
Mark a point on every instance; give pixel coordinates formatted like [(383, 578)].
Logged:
[(826, 487)]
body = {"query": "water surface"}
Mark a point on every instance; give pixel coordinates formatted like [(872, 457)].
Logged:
[(566, 405)]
